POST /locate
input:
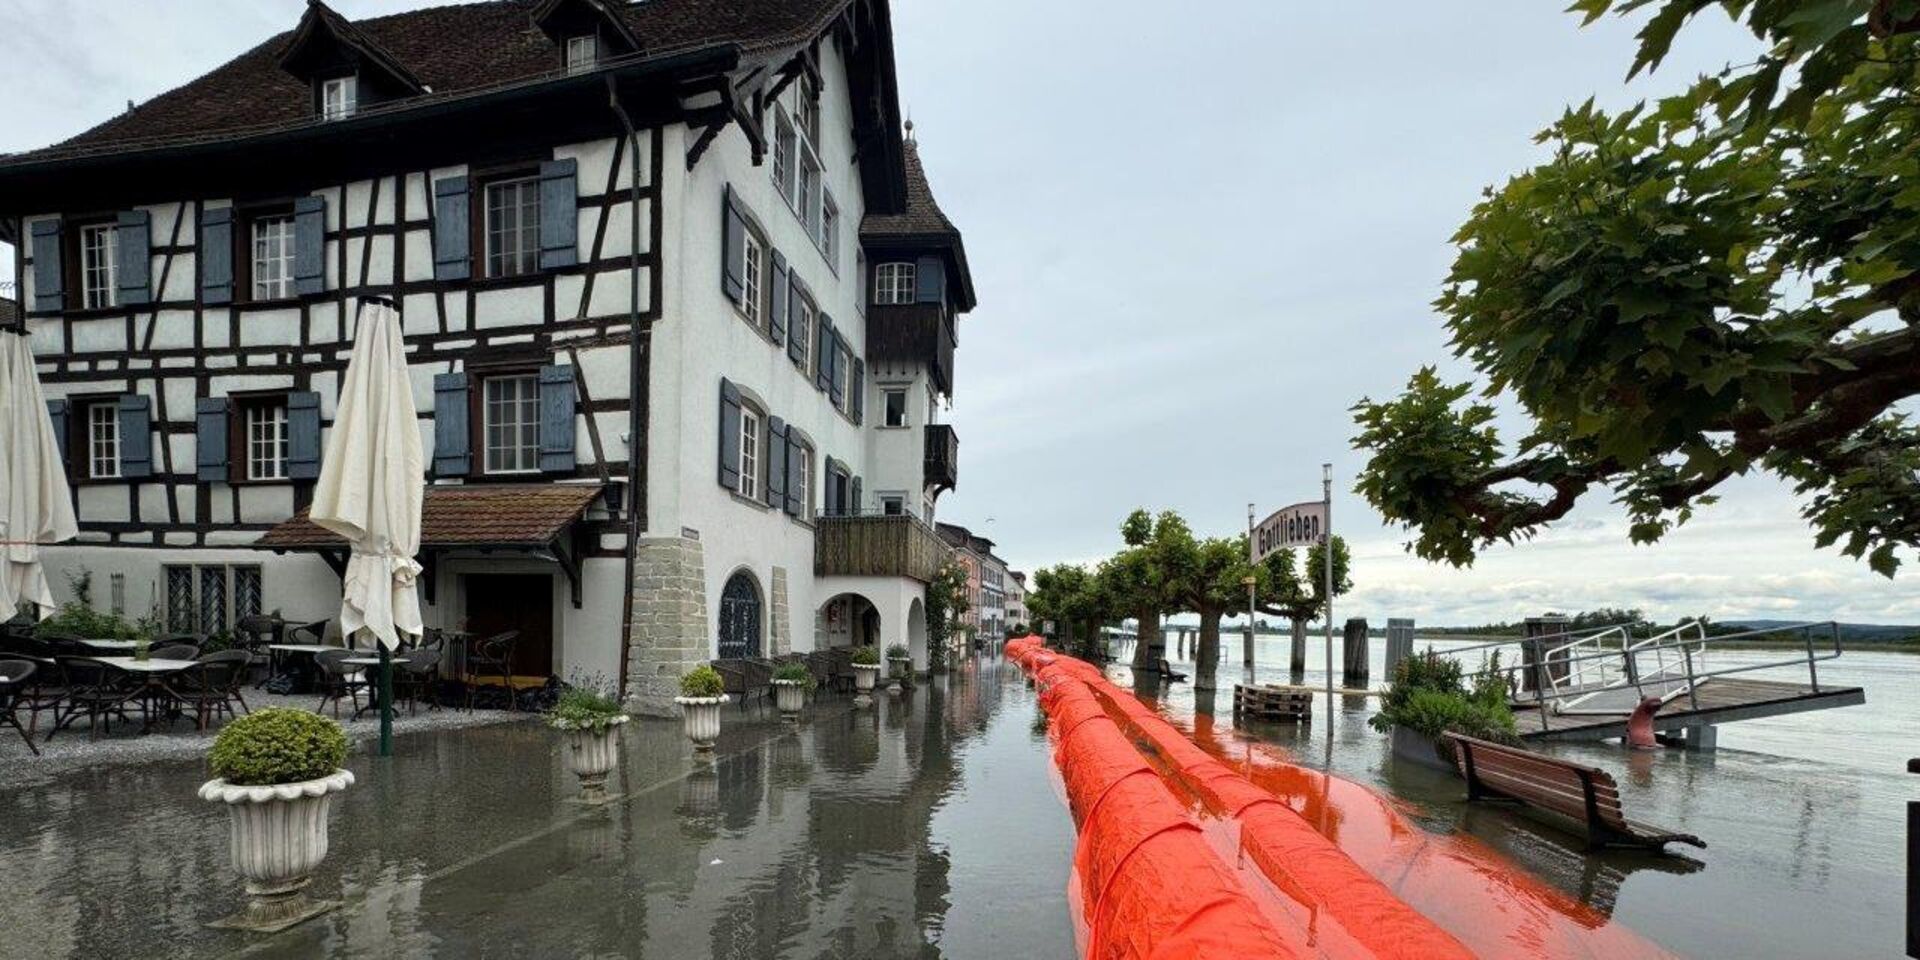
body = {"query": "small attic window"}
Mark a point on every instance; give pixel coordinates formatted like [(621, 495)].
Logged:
[(339, 97), (583, 53)]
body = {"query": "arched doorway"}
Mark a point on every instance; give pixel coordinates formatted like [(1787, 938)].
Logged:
[(740, 617), (917, 633), (848, 620)]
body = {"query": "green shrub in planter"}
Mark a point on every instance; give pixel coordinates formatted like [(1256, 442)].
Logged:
[(897, 651), (866, 656), (1431, 694), (796, 672), (702, 681), (586, 704), (278, 745)]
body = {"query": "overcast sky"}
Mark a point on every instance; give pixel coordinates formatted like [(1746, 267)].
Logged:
[(1199, 232)]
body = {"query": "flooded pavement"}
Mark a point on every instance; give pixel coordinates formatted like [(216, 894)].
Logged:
[(1804, 815), (928, 827)]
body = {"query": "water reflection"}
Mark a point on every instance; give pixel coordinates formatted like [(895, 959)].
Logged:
[(880, 833)]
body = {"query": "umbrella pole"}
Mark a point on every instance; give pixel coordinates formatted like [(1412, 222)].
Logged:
[(386, 701)]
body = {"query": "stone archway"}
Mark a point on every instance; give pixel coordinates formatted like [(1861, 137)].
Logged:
[(917, 633), (849, 619)]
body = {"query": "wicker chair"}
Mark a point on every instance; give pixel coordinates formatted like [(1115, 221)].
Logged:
[(492, 659), (96, 689), (176, 651), (420, 674), (13, 675), (212, 685), (41, 692), (338, 681)]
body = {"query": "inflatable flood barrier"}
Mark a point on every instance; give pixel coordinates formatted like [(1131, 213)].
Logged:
[(1180, 857)]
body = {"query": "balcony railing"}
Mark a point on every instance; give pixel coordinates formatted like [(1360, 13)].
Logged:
[(900, 545), (942, 465)]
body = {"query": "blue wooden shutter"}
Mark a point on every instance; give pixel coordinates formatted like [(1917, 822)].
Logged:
[(776, 462), (303, 435), (210, 437), (310, 246), (838, 354), (216, 255), (452, 456), (782, 299), (795, 507), (930, 280), (729, 435), (57, 413), (133, 263), (557, 403), (796, 342), (822, 351), (853, 498), (452, 244), (136, 436), (49, 293), (857, 383), (559, 216), (733, 248)]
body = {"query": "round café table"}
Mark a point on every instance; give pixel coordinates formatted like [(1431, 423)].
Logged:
[(152, 673)]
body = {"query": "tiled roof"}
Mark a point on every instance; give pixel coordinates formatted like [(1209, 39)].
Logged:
[(922, 217), (449, 49), (530, 514)]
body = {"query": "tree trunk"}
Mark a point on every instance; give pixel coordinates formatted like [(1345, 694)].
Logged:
[(1147, 648), (1206, 657), (1297, 663)]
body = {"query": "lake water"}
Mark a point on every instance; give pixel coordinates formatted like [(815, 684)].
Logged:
[(1804, 815)]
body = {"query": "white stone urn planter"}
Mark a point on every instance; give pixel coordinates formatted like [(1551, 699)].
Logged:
[(592, 753), (790, 696), (702, 717), (864, 675), (278, 836), (900, 675)]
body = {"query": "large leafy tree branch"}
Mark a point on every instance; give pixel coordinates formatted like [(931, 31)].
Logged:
[(1723, 281)]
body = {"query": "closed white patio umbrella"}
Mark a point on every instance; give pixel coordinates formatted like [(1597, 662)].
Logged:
[(36, 506), (372, 479)]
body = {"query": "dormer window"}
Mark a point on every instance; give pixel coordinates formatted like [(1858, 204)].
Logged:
[(893, 283), (583, 53), (339, 97)]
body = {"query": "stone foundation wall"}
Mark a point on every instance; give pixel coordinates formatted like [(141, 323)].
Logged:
[(669, 622)]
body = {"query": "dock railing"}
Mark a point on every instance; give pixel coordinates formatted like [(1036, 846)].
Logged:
[(1668, 664)]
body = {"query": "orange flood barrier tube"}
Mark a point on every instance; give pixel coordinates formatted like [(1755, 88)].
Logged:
[(1157, 880)]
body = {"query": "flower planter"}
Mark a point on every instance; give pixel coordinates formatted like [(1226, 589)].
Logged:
[(592, 754), (902, 670), (864, 675), (277, 836), (702, 716), (1421, 750), (790, 696)]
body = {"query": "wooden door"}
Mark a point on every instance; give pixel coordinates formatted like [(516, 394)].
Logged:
[(497, 602)]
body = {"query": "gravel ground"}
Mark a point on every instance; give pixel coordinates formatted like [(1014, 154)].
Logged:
[(73, 750)]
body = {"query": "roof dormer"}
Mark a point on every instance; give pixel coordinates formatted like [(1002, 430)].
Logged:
[(586, 32), (346, 68)]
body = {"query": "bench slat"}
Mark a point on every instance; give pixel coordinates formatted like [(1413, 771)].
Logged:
[(1560, 787)]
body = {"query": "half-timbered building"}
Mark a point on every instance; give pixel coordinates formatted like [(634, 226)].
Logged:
[(679, 305)]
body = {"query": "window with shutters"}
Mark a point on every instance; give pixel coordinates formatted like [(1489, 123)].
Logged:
[(99, 279), (510, 423), (583, 53), (801, 483), (753, 264), (270, 256), (751, 439), (510, 226), (801, 334), (829, 236), (266, 429), (893, 284), (893, 402), (809, 198), (103, 439), (842, 368), (339, 97), (783, 153)]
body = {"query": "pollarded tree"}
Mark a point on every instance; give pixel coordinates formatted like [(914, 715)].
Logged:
[(1285, 592), (1149, 577), (1722, 282), (1074, 599), (1215, 584)]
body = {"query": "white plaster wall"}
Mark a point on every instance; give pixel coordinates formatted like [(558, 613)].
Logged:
[(300, 586)]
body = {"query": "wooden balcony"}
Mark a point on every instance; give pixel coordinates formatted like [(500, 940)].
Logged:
[(913, 333), (942, 464), (877, 546)]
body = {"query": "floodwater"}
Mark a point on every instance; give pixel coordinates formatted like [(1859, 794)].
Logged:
[(927, 827), (1804, 815)]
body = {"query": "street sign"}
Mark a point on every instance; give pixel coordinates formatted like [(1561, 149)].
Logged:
[(1302, 524)]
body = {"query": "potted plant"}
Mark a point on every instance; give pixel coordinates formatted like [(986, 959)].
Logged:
[(866, 667), (899, 668), (701, 694), (1431, 696), (791, 681), (277, 770), (589, 717)]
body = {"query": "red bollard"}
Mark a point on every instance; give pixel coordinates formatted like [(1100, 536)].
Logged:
[(1640, 725)]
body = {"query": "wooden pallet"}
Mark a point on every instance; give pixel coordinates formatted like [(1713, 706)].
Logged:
[(1271, 703)]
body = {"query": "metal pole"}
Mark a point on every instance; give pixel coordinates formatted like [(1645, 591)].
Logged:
[(386, 699), (1246, 651), (1326, 559), (1913, 869)]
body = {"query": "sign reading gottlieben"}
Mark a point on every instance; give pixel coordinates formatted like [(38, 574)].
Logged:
[(1300, 525)]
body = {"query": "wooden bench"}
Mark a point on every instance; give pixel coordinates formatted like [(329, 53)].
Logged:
[(1581, 793), (1271, 703), (1172, 675)]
